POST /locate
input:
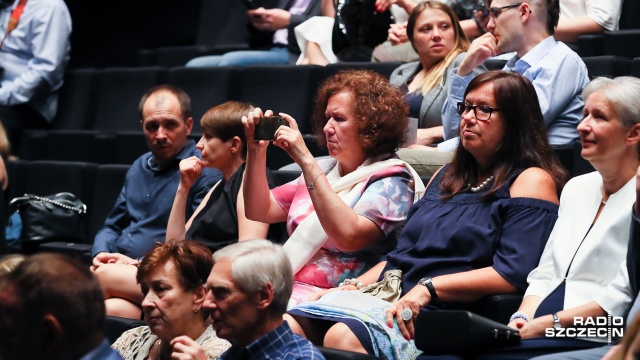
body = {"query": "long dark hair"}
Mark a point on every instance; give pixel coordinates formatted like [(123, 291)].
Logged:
[(524, 143)]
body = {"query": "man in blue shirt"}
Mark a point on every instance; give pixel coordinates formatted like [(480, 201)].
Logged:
[(33, 58), (140, 215), (556, 72), (51, 307), (247, 304)]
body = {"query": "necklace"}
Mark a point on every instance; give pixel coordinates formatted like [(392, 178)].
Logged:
[(481, 186), (602, 192)]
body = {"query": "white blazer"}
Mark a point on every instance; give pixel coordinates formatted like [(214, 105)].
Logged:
[(599, 270)]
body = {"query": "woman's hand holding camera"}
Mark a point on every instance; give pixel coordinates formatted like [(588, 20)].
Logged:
[(290, 140), (250, 122)]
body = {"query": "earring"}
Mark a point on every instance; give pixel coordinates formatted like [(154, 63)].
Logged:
[(195, 311)]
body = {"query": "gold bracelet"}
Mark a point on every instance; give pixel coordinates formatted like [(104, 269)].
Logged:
[(313, 183)]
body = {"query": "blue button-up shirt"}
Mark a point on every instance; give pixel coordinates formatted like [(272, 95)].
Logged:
[(281, 344), (35, 55), (141, 213), (558, 76), (102, 352)]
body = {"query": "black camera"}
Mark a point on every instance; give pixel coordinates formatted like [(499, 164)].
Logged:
[(267, 127)]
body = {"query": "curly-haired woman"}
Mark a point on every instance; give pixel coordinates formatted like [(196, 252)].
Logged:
[(342, 215)]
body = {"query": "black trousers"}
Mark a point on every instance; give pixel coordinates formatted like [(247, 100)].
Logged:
[(16, 119)]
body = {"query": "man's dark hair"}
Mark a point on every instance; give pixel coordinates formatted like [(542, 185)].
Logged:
[(553, 12), (52, 284)]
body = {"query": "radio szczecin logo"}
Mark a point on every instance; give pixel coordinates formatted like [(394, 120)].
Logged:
[(601, 327)]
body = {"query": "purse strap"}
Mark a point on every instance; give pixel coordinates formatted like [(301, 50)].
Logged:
[(80, 210)]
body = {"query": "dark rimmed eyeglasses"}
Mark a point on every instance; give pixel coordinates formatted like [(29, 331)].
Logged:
[(496, 11), (482, 112)]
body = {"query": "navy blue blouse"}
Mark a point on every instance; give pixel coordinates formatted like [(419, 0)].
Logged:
[(467, 232)]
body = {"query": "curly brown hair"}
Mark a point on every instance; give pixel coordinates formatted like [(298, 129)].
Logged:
[(380, 108)]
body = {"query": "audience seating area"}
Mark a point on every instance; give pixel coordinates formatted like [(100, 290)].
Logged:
[(96, 134)]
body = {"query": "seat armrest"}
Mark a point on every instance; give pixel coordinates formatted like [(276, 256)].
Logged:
[(499, 307), (81, 252), (333, 354)]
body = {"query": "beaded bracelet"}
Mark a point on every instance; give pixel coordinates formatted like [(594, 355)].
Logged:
[(519, 315), (354, 282)]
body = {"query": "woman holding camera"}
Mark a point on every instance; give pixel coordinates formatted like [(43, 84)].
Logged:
[(479, 229), (342, 215)]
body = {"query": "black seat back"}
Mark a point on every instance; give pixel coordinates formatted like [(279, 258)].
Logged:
[(119, 92), (109, 181)]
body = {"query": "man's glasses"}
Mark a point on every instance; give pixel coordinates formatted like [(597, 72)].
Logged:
[(496, 11), (482, 112)]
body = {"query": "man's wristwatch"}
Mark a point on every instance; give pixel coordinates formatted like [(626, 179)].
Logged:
[(556, 321), (428, 283)]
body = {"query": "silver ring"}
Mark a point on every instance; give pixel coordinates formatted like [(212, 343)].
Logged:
[(406, 314)]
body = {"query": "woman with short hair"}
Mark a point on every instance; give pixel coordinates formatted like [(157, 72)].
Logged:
[(219, 219), (172, 277), (582, 272)]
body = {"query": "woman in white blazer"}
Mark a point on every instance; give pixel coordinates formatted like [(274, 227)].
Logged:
[(582, 272)]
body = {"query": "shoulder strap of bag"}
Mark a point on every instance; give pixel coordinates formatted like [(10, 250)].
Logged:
[(14, 19), (19, 200)]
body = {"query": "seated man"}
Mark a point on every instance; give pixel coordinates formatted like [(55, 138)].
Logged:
[(33, 57), (577, 17), (557, 73), (283, 49), (140, 215), (51, 308), (247, 302)]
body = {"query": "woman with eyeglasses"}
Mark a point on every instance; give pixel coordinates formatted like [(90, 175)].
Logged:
[(479, 229), (582, 273)]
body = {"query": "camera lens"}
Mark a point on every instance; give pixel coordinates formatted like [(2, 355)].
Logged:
[(280, 120)]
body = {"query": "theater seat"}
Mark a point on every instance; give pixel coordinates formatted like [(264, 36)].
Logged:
[(207, 87), (77, 101), (635, 67), (333, 354), (622, 42), (109, 181), (119, 92), (115, 326), (287, 89), (607, 66), (383, 68)]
